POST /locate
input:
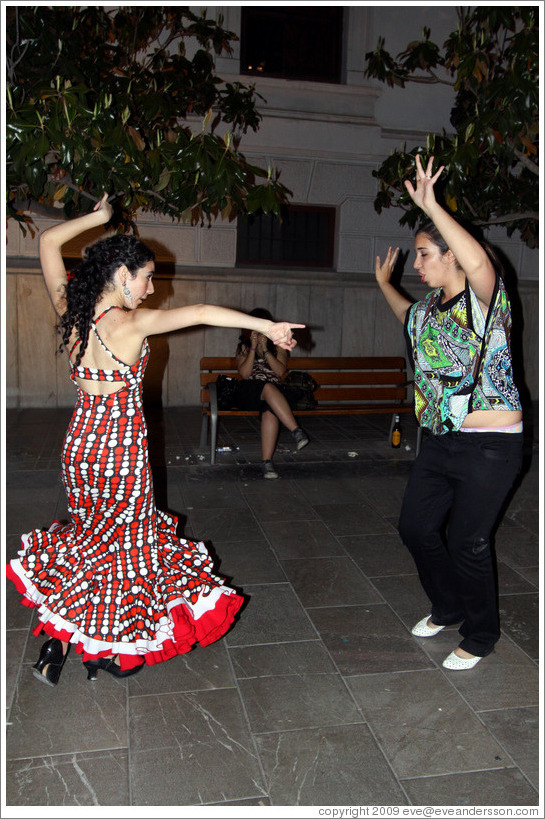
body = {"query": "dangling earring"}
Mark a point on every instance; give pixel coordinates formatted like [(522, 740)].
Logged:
[(127, 293)]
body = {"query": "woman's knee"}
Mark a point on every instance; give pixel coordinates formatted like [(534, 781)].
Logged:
[(418, 529), (409, 531), (269, 391)]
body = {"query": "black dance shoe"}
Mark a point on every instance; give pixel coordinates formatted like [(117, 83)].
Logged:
[(51, 655), (108, 664)]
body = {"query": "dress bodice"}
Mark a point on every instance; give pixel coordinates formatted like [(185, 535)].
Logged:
[(130, 374)]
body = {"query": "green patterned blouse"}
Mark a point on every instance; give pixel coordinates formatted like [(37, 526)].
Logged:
[(461, 360)]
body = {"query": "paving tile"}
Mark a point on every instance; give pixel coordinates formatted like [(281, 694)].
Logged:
[(384, 493), (515, 581), (276, 539), (273, 615), (248, 562), (61, 509), (424, 727), (192, 749), (259, 801), (73, 717), (505, 787), (329, 581), (305, 657), (212, 494), (28, 499), (15, 641), (297, 701), (519, 613), (278, 500), (340, 765), (99, 778), (517, 547), (405, 595), (201, 669), (171, 499), (519, 617), (334, 489), (222, 524), (527, 493), (17, 615), (22, 517), (529, 518), (39, 479), (367, 640), (531, 574), (517, 730), (301, 538), (12, 546), (352, 519), (379, 555), (507, 678)]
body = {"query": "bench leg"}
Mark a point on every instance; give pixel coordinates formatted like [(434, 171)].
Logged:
[(213, 390), (392, 426), (204, 431), (213, 437)]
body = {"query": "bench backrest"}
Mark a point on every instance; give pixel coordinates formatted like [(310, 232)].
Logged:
[(345, 379)]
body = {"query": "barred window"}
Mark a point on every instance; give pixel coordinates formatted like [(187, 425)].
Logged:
[(294, 43), (303, 237)]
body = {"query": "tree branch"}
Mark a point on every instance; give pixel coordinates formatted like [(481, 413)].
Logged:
[(32, 206), (532, 215), (470, 207), (12, 62), (67, 182), (528, 164), (433, 79)]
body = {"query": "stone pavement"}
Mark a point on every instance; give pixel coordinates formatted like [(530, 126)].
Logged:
[(319, 695)]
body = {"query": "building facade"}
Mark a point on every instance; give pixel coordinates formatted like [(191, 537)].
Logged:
[(326, 138)]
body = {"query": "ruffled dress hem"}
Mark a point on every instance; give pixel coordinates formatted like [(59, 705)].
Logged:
[(186, 631), (116, 578)]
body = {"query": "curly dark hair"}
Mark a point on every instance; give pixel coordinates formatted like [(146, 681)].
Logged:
[(92, 276)]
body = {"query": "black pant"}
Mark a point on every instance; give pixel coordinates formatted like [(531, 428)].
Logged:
[(452, 502)]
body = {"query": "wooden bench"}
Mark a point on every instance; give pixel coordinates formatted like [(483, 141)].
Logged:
[(347, 386)]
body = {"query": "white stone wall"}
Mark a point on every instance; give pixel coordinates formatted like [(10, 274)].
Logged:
[(326, 140)]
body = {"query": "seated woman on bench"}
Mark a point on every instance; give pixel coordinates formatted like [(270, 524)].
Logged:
[(262, 365)]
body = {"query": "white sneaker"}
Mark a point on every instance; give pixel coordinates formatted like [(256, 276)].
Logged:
[(423, 630)]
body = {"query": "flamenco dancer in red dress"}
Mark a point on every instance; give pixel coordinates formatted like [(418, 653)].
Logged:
[(116, 582)]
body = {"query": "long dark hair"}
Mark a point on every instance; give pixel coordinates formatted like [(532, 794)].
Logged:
[(434, 236), (92, 276), (244, 338)]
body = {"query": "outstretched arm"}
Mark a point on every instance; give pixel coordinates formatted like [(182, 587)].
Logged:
[(383, 273), (154, 322), (471, 256), (51, 242)]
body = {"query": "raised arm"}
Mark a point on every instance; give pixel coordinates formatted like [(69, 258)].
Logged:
[(246, 356), (471, 256), (383, 273), (51, 242), (154, 322)]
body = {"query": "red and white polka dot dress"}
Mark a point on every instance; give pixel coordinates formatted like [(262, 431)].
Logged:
[(116, 579)]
